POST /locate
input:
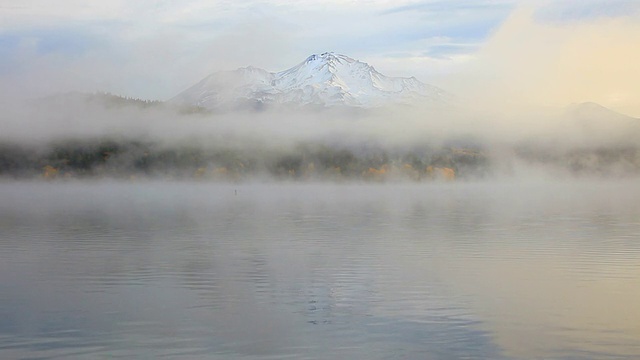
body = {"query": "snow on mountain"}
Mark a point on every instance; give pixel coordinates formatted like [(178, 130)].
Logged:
[(322, 79)]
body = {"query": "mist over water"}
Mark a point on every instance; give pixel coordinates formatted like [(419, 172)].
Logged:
[(185, 270), (499, 223), (80, 135), (134, 229)]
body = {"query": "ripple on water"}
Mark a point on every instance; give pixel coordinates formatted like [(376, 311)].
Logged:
[(182, 270)]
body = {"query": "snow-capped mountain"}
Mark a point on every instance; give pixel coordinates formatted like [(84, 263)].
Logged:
[(322, 79)]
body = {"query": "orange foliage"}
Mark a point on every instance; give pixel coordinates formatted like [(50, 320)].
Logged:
[(374, 171), (376, 174), (448, 174), (410, 172), (49, 172), (438, 173), (200, 172), (220, 171)]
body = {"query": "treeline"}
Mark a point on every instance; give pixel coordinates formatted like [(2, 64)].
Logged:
[(134, 158), (113, 100), (104, 101), (611, 161), (122, 158)]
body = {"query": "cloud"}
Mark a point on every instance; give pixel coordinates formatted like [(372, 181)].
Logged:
[(569, 51), (567, 11), (120, 46), (42, 13), (531, 63)]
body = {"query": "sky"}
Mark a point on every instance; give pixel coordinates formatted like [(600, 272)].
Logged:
[(495, 52)]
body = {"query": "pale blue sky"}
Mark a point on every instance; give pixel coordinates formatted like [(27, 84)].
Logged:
[(154, 49)]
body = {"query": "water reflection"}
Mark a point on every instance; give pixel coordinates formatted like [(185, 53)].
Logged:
[(473, 271)]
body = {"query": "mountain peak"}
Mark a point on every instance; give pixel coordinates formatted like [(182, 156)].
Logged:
[(591, 109), (324, 79), (329, 57), (324, 62)]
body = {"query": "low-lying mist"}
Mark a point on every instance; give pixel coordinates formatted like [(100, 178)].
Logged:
[(91, 136)]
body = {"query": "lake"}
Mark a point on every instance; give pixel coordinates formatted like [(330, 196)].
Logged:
[(194, 270)]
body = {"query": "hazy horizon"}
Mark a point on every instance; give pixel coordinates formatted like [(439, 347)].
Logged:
[(507, 56), (335, 211), (519, 69)]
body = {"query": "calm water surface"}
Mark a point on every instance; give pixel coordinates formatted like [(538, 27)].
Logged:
[(332, 271)]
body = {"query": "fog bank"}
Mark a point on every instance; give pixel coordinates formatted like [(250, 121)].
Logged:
[(93, 135)]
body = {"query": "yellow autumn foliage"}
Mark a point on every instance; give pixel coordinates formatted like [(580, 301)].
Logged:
[(448, 174), (376, 174), (200, 172), (220, 171), (309, 171), (410, 172), (49, 172), (440, 173)]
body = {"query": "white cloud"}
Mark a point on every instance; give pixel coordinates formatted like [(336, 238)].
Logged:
[(532, 63), (29, 13), (170, 44), (568, 11)]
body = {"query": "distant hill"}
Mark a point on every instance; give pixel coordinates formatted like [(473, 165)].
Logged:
[(595, 121), (73, 100), (98, 98)]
